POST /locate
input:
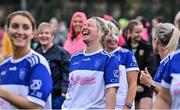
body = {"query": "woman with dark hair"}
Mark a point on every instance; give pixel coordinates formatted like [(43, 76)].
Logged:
[(25, 77), (145, 58)]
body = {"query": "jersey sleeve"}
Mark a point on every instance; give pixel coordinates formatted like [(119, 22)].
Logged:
[(40, 85), (166, 80), (111, 74), (131, 64)]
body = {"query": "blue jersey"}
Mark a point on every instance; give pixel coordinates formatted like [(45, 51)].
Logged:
[(28, 76), (171, 79), (90, 75), (127, 63), (160, 71)]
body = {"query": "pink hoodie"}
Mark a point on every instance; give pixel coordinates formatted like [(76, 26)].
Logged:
[(77, 45)]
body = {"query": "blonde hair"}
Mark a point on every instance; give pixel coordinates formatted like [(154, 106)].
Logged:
[(168, 34), (177, 20), (113, 31), (45, 24), (102, 26)]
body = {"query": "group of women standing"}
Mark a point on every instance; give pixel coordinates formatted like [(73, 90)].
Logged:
[(100, 74)]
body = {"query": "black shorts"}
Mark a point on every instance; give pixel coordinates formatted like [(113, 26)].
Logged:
[(146, 93)]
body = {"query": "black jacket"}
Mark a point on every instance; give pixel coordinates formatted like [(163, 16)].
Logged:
[(145, 56), (58, 60)]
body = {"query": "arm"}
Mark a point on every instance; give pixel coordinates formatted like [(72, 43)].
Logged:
[(163, 100), (65, 72), (18, 101), (132, 87), (111, 98)]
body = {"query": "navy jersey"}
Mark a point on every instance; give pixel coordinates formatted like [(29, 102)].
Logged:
[(171, 79), (28, 76), (90, 75)]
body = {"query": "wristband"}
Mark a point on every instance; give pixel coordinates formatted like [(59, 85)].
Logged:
[(129, 105)]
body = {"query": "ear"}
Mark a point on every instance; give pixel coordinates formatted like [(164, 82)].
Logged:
[(156, 40)]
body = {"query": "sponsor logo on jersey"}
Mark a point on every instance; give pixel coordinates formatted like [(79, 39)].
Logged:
[(75, 63), (82, 80), (12, 68), (87, 59)]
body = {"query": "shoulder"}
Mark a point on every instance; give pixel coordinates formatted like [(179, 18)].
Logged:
[(6, 61), (35, 58)]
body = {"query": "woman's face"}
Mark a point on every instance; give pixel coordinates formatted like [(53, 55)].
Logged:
[(45, 36), (109, 43), (77, 24), (20, 31), (90, 31), (136, 33)]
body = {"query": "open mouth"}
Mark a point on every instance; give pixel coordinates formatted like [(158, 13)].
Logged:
[(85, 32)]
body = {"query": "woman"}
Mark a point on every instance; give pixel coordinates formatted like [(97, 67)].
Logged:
[(74, 42), (168, 97), (162, 38), (25, 77), (145, 58), (127, 66), (93, 73), (58, 60)]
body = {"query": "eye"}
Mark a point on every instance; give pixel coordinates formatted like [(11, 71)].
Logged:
[(15, 25), (25, 27)]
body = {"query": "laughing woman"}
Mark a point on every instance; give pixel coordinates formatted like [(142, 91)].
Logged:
[(94, 73)]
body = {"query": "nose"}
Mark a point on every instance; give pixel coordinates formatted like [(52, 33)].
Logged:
[(20, 30)]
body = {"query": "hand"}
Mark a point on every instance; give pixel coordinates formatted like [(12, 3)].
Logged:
[(63, 95), (146, 78)]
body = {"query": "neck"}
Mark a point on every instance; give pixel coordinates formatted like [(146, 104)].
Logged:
[(45, 48), (134, 43), (163, 53), (90, 48), (20, 52), (110, 49), (77, 33)]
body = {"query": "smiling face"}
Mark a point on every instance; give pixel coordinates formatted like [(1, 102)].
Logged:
[(45, 36), (77, 25), (90, 31), (20, 31), (136, 33)]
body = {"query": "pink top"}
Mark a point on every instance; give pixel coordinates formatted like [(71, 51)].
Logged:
[(77, 45), (145, 35), (121, 40)]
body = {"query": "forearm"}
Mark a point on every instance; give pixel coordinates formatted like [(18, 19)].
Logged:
[(131, 93), (160, 103), (163, 100), (111, 98), (132, 86), (18, 101)]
